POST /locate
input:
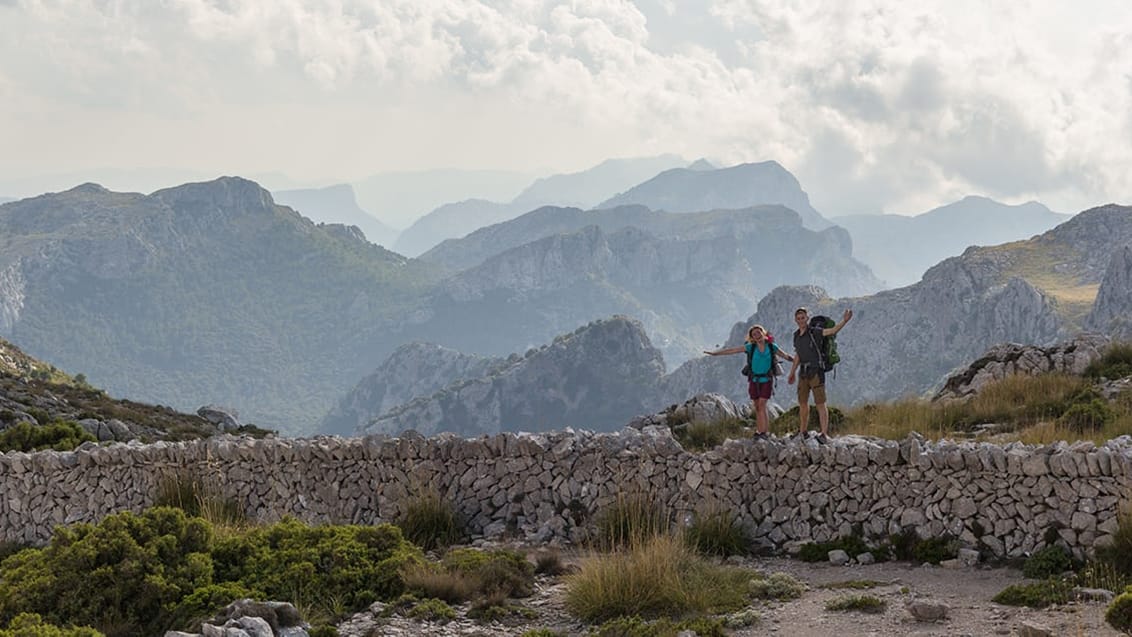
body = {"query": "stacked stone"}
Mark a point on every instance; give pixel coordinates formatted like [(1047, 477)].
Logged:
[(550, 487)]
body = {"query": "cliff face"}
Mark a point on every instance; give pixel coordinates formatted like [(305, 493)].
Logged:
[(1112, 311), (598, 377), (415, 369), (684, 276)]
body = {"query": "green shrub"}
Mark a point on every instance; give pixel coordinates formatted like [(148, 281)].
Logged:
[(780, 586), (431, 610), (1118, 554), (632, 519), (542, 632), (935, 550), (32, 625), (202, 603), (1119, 613), (853, 546), (1048, 562), (853, 584), (323, 631), (61, 435), (1037, 595), (550, 563), (1084, 417), (496, 571), (1116, 362), (430, 521), (125, 572), (636, 627), (863, 603), (718, 532), (352, 565)]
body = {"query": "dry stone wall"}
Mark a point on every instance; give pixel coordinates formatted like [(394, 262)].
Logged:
[(549, 487)]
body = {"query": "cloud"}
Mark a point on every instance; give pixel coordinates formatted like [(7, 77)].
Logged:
[(876, 105)]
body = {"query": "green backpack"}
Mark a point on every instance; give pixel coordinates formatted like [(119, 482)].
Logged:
[(825, 345)]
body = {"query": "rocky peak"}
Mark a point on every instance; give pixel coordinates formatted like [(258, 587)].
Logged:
[(597, 377), (1112, 311), (226, 195)]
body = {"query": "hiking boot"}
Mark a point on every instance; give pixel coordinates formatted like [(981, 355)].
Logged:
[(799, 436), (762, 435), (823, 439)]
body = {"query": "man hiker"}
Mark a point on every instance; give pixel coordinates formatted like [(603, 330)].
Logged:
[(808, 365)]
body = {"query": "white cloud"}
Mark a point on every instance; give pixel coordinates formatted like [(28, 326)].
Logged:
[(876, 105)]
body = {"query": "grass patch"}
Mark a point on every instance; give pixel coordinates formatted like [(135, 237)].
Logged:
[(200, 497), (664, 627), (1115, 362), (632, 519), (717, 531), (1050, 592), (702, 435), (787, 422), (861, 603), (853, 584), (430, 521), (549, 562), (660, 577)]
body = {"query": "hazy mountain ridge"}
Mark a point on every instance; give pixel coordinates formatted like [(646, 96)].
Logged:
[(202, 293), (400, 198), (899, 249), (336, 204), (741, 186), (682, 282), (584, 188), (597, 377)]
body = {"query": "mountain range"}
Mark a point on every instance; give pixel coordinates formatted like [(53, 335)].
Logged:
[(584, 188), (894, 246)]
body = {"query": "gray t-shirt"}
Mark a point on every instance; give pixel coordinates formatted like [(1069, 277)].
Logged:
[(806, 349)]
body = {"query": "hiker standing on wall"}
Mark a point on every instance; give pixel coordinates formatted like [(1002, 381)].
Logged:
[(760, 371), (810, 369)]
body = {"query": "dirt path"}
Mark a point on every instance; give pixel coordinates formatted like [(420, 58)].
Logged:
[(966, 592)]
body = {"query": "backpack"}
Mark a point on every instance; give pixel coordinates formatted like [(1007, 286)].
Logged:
[(775, 366), (825, 345)]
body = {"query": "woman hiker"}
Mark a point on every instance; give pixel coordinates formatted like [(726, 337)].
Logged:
[(760, 351)]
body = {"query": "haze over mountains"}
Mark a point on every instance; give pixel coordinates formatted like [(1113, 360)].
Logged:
[(584, 189), (214, 293), (894, 246), (336, 204)]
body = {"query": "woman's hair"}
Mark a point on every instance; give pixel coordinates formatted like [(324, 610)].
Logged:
[(751, 339)]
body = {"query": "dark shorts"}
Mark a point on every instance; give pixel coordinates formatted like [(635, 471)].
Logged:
[(759, 390)]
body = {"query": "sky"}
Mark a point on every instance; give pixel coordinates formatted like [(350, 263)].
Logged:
[(875, 105)]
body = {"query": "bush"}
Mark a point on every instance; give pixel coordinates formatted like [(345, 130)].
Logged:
[(498, 571), (1048, 562), (550, 563), (662, 577), (780, 586), (1038, 595), (1116, 362), (431, 610), (430, 522), (631, 520), (863, 603), (352, 566), (32, 625), (717, 532), (125, 572), (819, 551), (61, 435), (1084, 417), (1119, 613), (935, 550)]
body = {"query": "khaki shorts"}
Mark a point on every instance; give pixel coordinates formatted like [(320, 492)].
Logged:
[(815, 384)]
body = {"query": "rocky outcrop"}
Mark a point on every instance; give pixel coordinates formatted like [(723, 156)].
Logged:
[(741, 186), (1112, 311), (11, 295), (599, 376), (415, 369), (1010, 359), (249, 618)]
